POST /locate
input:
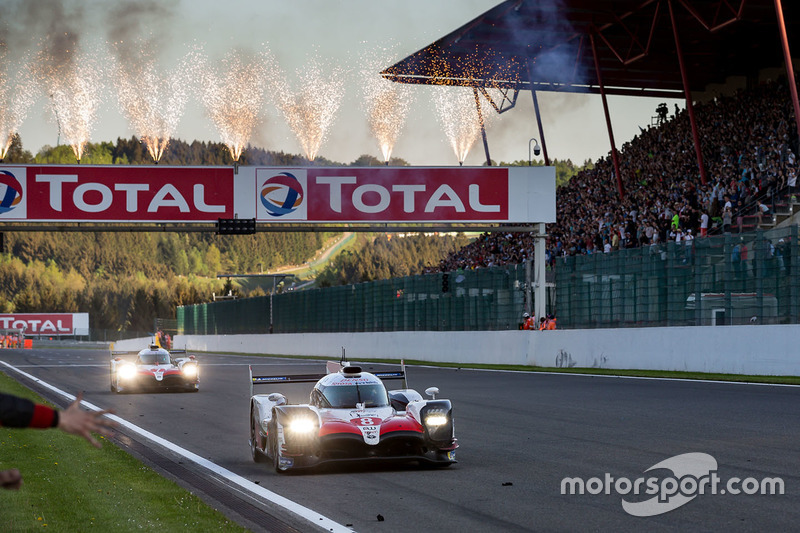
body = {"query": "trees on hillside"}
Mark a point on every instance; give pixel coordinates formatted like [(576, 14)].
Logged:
[(388, 256)]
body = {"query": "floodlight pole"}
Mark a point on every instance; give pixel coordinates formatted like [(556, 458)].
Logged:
[(614, 155), (483, 127), (538, 116), (789, 67), (698, 150), (541, 129)]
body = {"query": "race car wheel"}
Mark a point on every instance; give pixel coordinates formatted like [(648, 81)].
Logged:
[(275, 450), (256, 454)]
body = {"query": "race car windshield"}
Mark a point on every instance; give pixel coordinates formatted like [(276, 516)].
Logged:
[(371, 395), (154, 358)]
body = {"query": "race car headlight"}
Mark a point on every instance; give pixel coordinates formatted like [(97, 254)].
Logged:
[(127, 371), (189, 371), (302, 425), (435, 420)]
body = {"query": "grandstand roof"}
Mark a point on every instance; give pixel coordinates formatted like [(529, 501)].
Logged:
[(634, 40)]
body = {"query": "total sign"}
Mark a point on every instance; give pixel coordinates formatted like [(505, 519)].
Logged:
[(47, 323), (131, 194), (405, 194), (116, 193)]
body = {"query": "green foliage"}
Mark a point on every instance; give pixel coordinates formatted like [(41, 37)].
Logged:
[(388, 256), (366, 160), (16, 154), (565, 169)]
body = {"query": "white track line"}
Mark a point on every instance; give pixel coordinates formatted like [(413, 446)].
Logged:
[(248, 486)]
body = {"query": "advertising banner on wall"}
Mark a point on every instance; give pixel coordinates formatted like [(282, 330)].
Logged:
[(131, 194), (51, 324)]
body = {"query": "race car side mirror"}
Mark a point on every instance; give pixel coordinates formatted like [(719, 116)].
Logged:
[(432, 392), (277, 398)]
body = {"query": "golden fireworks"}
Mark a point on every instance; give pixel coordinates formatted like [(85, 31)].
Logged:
[(75, 87), (310, 110), (459, 118), (234, 97), (153, 101), (387, 104), (17, 94)]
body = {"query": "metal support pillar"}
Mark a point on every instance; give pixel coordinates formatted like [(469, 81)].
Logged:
[(271, 323), (614, 155), (483, 126), (541, 129), (698, 149), (540, 285), (528, 286), (787, 56)]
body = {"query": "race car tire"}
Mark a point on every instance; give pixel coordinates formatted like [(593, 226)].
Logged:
[(275, 450), (255, 453)]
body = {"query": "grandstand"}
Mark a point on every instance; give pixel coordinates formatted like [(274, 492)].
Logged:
[(741, 144)]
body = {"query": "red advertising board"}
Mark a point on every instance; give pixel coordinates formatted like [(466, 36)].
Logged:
[(117, 193), (39, 323), (382, 194)]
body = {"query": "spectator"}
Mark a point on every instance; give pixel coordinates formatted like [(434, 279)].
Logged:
[(747, 142), (704, 224), (18, 412), (528, 322), (761, 211), (727, 217)]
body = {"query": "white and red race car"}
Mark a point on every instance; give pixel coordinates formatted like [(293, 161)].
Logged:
[(350, 417), (154, 368)]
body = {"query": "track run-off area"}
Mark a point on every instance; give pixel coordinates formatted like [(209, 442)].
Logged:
[(521, 434)]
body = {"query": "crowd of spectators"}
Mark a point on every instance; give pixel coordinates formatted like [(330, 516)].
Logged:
[(747, 142)]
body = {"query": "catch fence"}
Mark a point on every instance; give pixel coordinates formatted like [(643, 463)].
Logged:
[(718, 280), (483, 299)]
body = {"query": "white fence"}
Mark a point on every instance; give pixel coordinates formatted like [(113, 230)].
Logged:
[(753, 350)]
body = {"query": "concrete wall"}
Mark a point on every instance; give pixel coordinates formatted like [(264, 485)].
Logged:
[(757, 350)]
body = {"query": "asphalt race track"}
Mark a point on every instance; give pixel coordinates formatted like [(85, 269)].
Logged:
[(520, 435)]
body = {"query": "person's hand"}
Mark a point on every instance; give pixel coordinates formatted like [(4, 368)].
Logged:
[(10, 479), (76, 421)]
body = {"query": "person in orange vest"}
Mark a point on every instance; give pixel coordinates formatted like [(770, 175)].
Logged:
[(551, 322), (542, 324), (528, 322)]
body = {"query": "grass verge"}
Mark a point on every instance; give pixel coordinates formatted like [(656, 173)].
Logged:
[(664, 374), (70, 486)]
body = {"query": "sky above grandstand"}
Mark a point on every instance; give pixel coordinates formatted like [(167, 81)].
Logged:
[(334, 33)]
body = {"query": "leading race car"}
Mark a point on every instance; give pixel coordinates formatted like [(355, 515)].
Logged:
[(154, 368), (350, 417)]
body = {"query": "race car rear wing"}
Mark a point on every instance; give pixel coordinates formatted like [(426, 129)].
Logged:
[(313, 378)]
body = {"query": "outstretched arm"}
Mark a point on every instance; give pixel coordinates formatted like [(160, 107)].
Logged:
[(76, 421)]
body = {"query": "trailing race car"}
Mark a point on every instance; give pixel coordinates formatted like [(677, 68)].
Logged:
[(350, 417), (154, 368)]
